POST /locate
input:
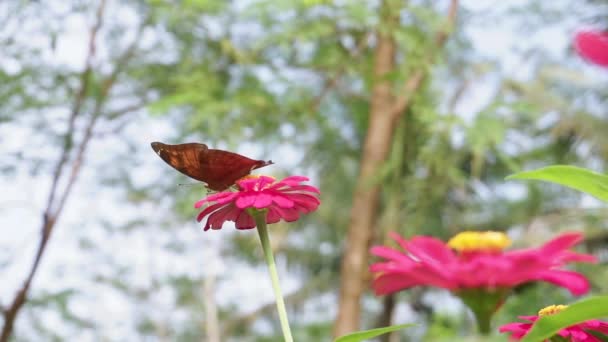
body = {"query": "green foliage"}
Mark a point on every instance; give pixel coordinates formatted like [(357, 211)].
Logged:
[(311, 332), (60, 302), (584, 310), (367, 334), (584, 180), (444, 327)]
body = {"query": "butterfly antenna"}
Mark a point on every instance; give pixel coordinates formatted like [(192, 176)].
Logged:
[(209, 191), (187, 184)]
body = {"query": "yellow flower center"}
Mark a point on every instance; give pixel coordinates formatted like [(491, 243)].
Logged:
[(472, 241), (552, 309), (256, 177)]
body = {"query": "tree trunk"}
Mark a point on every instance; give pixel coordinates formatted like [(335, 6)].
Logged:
[(212, 325), (365, 202), (386, 317), (385, 110)]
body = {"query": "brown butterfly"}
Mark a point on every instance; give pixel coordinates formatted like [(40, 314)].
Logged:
[(219, 169)]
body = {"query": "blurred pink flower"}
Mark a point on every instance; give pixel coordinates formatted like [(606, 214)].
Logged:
[(593, 46), (575, 333), (427, 261), (284, 199)]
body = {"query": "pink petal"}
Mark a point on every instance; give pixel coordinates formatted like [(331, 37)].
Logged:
[(293, 180), (515, 327), (401, 241), (596, 325), (576, 334), (282, 201), (419, 273), (391, 266), (391, 254), (244, 221), (424, 245), (428, 248), (262, 200), (485, 270), (272, 216), (390, 283), (246, 200), (265, 181), (569, 256), (247, 184), (200, 203), (209, 210), (217, 219), (511, 269), (307, 202), (302, 197), (287, 214), (575, 282), (562, 242), (593, 46), (300, 188), (393, 281), (222, 197), (307, 208), (517, 330)]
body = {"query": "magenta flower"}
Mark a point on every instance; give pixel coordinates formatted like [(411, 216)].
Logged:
[(285, 199), (260, 200), (593, 46), (427, 261), (474, 267), (575, 333)]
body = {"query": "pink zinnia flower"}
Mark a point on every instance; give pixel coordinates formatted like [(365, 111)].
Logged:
[(477, 263), (593, 46), (285, 199), (575, 333)]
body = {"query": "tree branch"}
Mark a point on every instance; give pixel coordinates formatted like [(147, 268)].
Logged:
[(107, 84), (54, 208), (115, 114), (415, 80), (332, 81), (457, 95), (76, 109)]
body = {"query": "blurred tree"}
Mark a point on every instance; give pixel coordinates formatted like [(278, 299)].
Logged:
[(88, 91), (386, 108)]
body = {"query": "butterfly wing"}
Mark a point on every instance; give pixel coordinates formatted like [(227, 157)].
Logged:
[(224, 168), (218, 168), (185, 158)]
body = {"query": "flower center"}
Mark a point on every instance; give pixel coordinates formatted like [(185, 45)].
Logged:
[(256, 182), (255, 177), (552, 309), (472, 241)]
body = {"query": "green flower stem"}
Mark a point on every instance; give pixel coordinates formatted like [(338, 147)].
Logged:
[(483, 303), (260, 220), (483, 322)]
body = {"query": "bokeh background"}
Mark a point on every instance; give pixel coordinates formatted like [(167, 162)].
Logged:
[(85, 86)]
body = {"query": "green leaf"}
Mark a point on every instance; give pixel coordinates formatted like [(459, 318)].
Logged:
[(593, 183), (547, 326), (367, 334)]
